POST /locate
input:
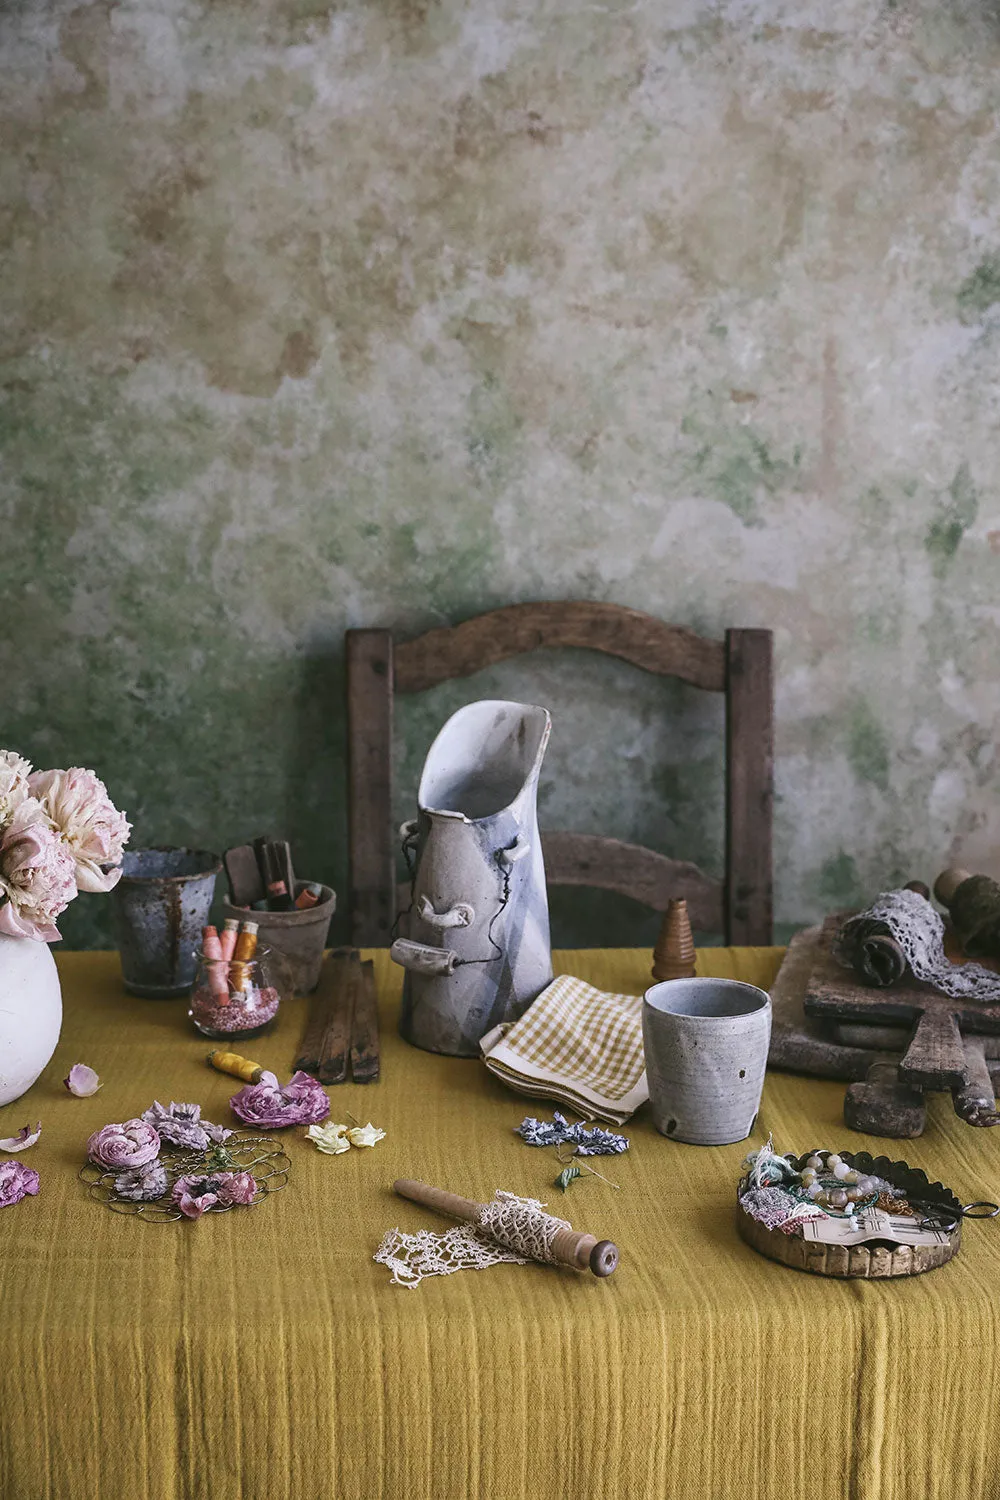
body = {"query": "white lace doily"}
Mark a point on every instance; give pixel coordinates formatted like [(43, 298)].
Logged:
[(918, 929)]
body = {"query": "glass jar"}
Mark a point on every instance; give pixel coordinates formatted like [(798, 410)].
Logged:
[(232, 999)]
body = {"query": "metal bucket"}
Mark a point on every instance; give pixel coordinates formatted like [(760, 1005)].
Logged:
[(158, 909)]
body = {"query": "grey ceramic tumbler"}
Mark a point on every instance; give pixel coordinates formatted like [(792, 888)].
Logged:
[(159, 908), (706, 1044)]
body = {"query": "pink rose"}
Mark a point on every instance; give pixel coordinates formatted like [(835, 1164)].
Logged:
[(15, 1181), (92, 828), (37, 879), (119, 1146)]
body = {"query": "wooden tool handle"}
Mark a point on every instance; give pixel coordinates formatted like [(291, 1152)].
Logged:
[(974, 1101), (441, 1202), (570, 1247), (935, 1057)]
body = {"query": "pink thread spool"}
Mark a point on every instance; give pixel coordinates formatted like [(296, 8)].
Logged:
[(211, 947)]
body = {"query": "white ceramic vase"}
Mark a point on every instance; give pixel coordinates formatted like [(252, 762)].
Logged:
[(30, 1013)]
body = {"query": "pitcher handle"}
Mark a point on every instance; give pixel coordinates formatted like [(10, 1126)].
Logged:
[(459, 915)]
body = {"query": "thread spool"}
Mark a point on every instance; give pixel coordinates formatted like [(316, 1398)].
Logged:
[(238, 1067), (879, 960), (673, 956), (227, 937), (570, 1247), (973, 903)]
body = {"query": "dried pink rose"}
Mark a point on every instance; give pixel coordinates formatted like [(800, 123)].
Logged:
[(92, 828), (142, 1184), (237, 1187), (197, 1193), (14, 773), (16, 1180), (119, 1146), (82, 1081), (269, 1106), (25, 1137), (37, 879)]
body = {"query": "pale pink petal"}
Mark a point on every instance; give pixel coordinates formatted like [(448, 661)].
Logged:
[(82, 1081), (25, 1137), (90, 877), (16, 924)]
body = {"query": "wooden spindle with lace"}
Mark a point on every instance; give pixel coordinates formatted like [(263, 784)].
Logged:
[(518, 1226)]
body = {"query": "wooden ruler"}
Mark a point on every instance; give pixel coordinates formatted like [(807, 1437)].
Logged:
[(341, 1037)]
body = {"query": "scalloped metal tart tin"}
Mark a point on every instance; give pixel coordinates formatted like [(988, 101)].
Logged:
[(876, 1260)]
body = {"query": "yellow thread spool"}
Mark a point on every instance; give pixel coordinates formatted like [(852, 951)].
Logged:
[(239, 1067)]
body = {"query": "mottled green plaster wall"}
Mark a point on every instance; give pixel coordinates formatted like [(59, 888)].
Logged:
[(327, 314)]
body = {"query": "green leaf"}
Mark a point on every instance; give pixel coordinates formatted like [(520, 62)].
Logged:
[(566, 1177)]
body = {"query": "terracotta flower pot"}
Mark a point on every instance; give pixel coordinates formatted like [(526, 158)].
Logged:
[(296, 939)]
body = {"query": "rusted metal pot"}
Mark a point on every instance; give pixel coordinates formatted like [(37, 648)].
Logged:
[(158, 909), (296, 939)]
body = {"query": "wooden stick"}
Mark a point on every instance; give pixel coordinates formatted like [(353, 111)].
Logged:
[(344, 977), (312, 1039), (570, 1247), (365, 1059)]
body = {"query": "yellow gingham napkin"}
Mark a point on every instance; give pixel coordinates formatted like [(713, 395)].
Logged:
[(578, 1046)]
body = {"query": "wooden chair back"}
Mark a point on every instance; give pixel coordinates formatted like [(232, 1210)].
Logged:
[(740, 667)]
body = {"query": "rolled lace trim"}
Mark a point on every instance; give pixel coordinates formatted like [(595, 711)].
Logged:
[(918, 929)]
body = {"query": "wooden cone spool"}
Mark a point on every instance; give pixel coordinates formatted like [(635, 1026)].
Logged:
[(673, 956)]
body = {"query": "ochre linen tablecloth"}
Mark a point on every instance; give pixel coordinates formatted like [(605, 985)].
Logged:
[(264, 1355)]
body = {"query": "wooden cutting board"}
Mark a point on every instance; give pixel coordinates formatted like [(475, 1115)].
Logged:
[(935, 1057)]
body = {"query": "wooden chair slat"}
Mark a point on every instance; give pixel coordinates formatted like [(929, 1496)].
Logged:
[(632, 870), (459, 650)]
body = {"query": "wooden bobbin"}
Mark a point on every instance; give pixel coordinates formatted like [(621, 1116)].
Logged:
[(673, 956), (570, 1247)]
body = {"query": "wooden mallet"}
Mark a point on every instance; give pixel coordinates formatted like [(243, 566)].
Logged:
[(569, 1247)]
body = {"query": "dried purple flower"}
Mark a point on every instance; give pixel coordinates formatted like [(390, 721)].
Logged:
[(16, 1180), (142, 1184), (268, 1106), (196, 1194), (554, 1132), (237, 1187), (180, 1124), (129, 1145)]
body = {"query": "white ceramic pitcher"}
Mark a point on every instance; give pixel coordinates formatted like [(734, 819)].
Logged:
[(477, 950)]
